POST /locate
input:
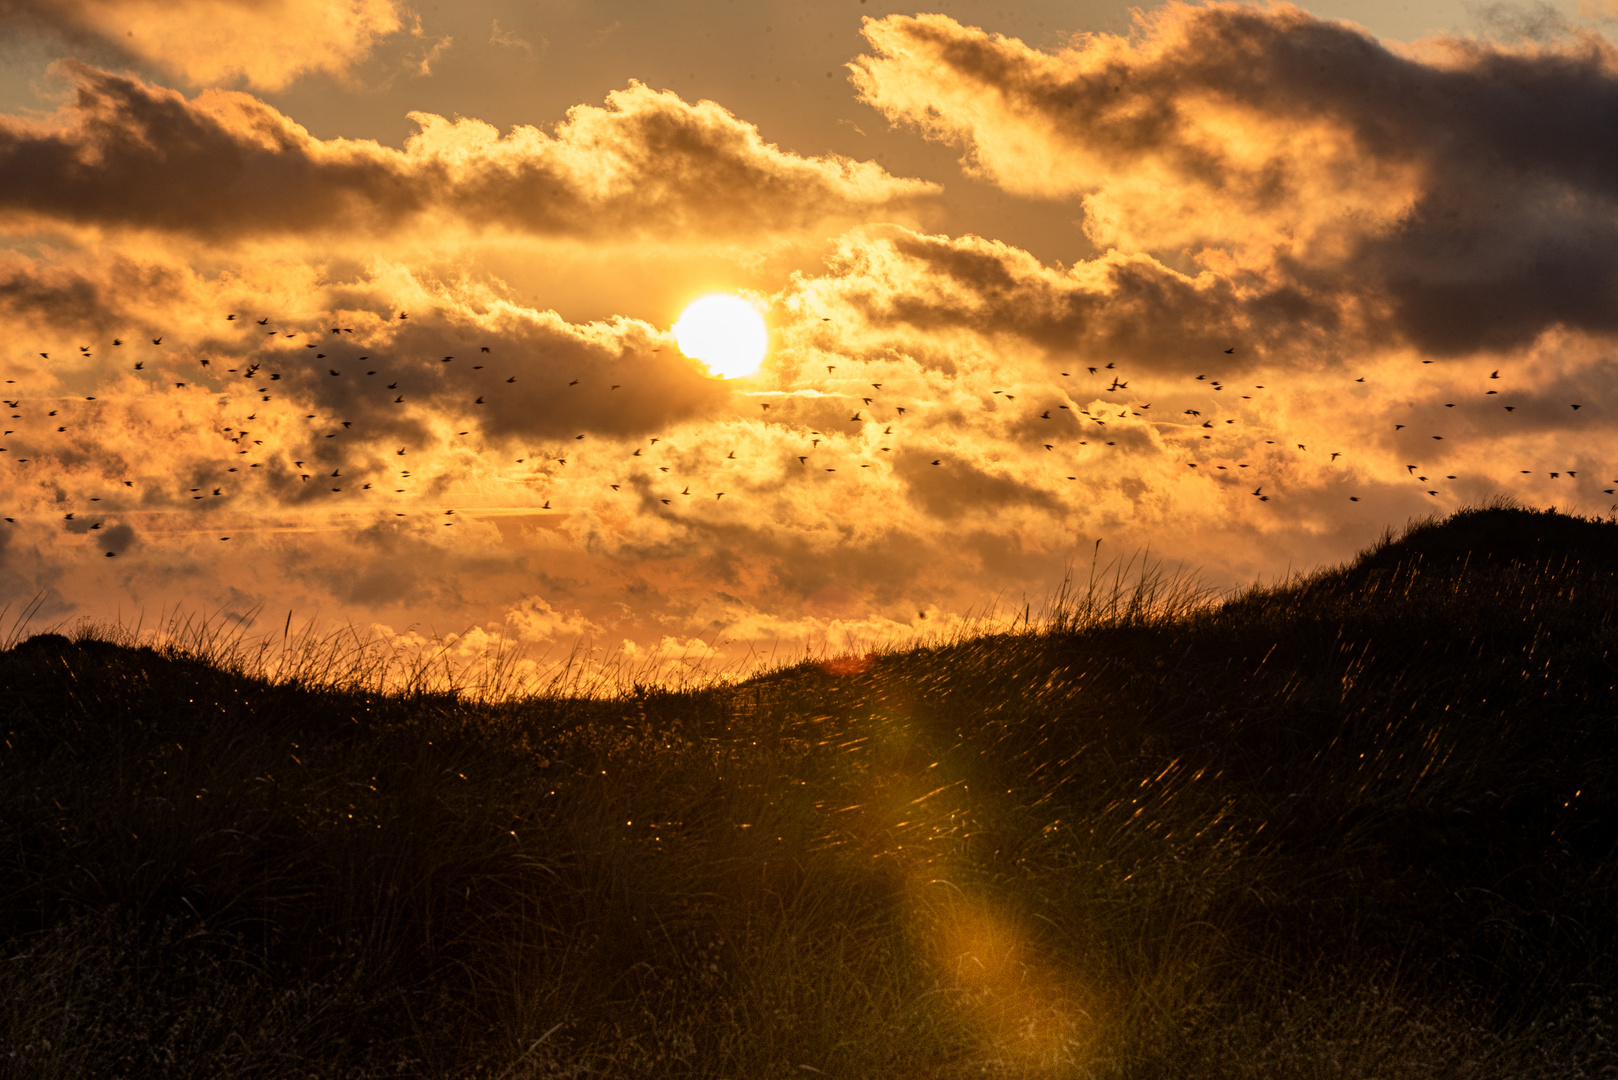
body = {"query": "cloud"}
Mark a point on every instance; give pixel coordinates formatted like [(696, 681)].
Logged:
[(829, 526), (508, 37), (225, 165), (264, 43), (533, 619), (900, 289), (945, 422), (431, 50), (332, 380), (1456, 195), (116, 539)]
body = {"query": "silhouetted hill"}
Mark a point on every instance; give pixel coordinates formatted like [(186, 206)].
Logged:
[(1494, 536), (1357, 825)]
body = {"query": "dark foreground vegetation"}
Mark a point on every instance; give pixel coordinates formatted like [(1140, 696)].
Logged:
[(1362, 825)]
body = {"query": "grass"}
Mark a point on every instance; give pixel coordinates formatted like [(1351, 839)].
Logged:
[(1357, 825)]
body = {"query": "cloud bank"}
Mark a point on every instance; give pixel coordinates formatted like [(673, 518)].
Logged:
[(225, 165), (1453, 195), (1341, 284)]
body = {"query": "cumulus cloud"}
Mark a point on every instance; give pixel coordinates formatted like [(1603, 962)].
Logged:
[(895, 286), (125, 153), (534, 619), (1456, 195), (264, 43)]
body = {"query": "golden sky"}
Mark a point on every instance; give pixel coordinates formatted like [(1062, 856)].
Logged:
[(361, 311)]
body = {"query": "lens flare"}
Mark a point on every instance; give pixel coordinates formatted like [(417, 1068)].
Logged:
[(725, 332)]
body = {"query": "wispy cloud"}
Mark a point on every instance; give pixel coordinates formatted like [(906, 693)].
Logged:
[(509, 39)]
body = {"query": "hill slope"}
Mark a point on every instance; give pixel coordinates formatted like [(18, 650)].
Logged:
[(1360, 825)]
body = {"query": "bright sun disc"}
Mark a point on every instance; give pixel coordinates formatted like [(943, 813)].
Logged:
[(725, 332)]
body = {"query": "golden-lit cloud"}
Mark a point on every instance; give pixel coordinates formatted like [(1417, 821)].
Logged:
[(264, 43), (891, 285), (1456, 193), (225, 165), (908, 467)]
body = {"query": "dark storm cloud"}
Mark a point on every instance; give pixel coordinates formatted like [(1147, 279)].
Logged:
[(1456, 195), (226, 165)]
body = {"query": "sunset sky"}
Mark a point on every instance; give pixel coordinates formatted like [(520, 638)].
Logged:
[(1239, 286)]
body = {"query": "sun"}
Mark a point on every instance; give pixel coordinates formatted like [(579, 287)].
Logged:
[(725, 332)]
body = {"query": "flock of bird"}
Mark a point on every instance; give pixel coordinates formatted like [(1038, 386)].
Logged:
[(35, 420)]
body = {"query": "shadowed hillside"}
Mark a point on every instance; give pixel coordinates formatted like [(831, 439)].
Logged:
[(1360, 825)]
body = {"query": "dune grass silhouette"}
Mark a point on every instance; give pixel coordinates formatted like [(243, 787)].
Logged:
[(1358, 824)]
